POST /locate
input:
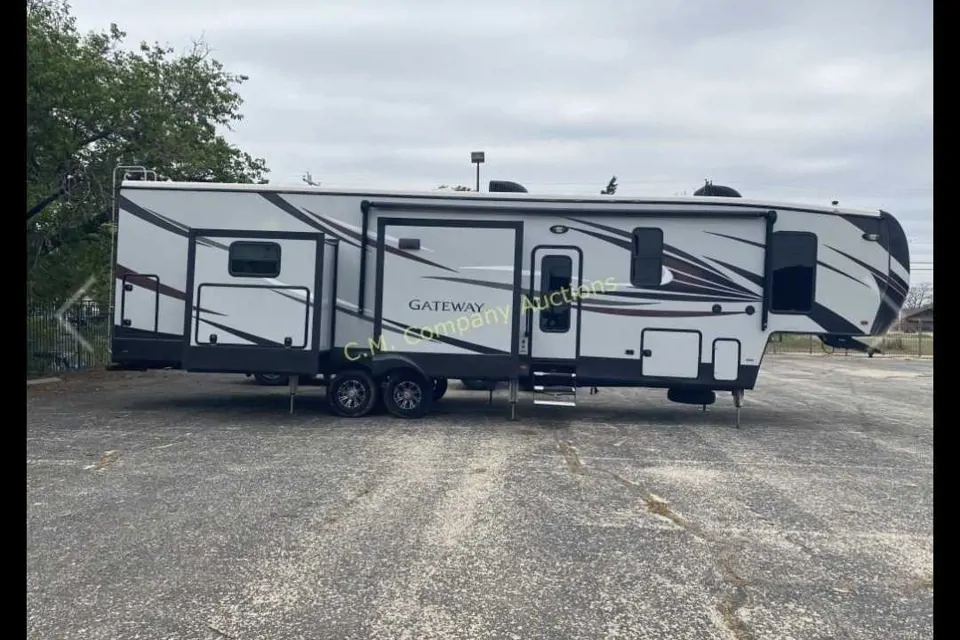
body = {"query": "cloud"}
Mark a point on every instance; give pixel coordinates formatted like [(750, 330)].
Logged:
[(808, 101)]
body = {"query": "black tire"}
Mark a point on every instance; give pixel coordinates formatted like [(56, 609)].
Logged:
[(407, 394), (352, 393), (439, 388), (271, 379)]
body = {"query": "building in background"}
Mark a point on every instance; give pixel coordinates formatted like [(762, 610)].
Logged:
[(920, 319)]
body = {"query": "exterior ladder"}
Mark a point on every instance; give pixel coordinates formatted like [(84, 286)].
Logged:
[(554, 388)]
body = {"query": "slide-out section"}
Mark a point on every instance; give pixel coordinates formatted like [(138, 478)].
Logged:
[(448, 293), (254, 301)]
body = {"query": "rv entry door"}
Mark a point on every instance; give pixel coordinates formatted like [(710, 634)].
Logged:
[(552, 305), (253, 301)]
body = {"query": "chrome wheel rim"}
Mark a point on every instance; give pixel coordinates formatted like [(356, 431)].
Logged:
[(351, 394), (407, 395)]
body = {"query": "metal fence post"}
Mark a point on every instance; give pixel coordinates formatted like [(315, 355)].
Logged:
[(76, 322)]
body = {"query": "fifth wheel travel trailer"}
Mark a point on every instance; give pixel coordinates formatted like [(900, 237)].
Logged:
[(386, 295)]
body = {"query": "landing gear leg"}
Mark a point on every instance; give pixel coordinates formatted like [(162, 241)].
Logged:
[(738, 402), (514, 384), (294, 383)]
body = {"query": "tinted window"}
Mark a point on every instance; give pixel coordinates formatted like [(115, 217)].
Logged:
[(556, 276), (255, 259), (646, 262), (794, 256)]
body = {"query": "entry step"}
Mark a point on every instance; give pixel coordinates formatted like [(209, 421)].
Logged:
[(555, 374), (555, 388), (554, 403)]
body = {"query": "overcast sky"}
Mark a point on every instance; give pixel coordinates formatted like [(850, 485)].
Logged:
[(801, 100)]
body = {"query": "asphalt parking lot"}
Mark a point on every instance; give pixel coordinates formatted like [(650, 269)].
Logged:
[(171, 505)]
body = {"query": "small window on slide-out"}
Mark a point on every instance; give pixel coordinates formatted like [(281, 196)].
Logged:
[(646, 259), (794, 256), (556, 276), (254, 259)]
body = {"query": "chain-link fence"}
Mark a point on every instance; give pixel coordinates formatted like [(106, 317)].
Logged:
[(53, 348), (900, 344)]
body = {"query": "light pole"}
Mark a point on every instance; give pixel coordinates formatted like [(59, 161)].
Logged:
[(477, 157)]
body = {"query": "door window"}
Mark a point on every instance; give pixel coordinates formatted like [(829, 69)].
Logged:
[(556, 278), (646, 260)]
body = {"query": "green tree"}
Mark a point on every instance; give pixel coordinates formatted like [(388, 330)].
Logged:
[(92, 105), (458, 187)]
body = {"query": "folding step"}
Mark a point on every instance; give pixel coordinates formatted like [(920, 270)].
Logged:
[(555, 388)]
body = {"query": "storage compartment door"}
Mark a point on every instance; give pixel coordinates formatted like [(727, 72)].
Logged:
[(139, 302), (670, 353), (726, 359)]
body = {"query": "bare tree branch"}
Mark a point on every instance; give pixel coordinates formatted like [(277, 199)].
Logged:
[(919, 295)]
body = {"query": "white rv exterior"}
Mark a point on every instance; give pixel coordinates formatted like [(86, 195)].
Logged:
[(679, 293)]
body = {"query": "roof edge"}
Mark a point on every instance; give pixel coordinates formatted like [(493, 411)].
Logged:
[(497, 196)]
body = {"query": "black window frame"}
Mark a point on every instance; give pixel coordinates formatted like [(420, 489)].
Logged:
[(562, 311), (639, 251), (238, 244), (777, 237)]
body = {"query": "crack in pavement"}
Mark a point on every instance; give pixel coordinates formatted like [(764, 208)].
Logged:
[(220, 634), (570, 456), (657, 505), (738, 596), (105, 460), (334, 517), (735, 600)]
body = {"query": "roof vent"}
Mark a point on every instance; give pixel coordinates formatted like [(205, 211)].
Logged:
[(505, 186), (716, 190)]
